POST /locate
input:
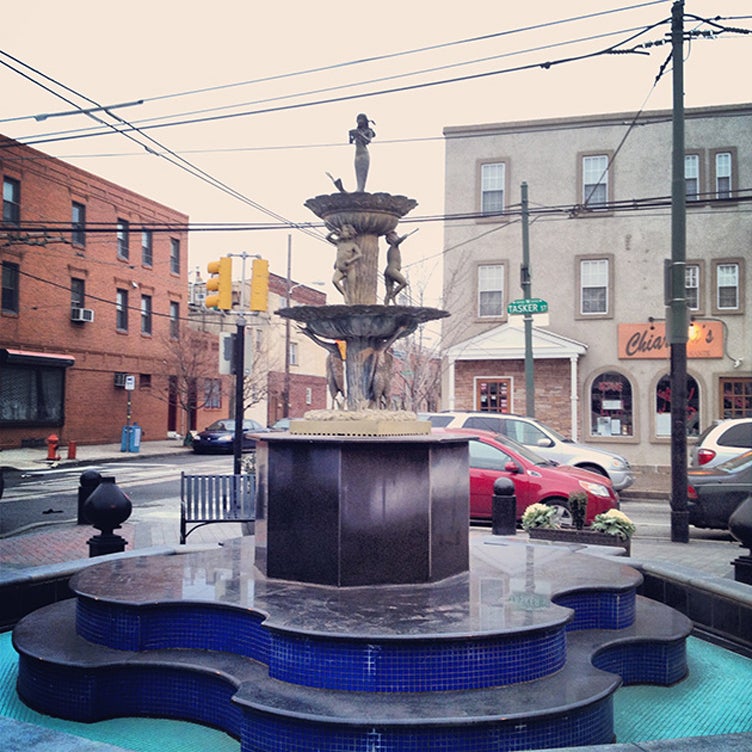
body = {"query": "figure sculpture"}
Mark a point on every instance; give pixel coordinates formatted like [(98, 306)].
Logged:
[(361, 137), (335, 378), (394, 280), (348, 252)]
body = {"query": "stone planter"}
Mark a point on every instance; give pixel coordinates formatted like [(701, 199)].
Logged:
[(582, 537)]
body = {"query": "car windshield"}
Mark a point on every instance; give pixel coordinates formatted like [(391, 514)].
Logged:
[(222, 425), (439, 421), (737, 463), (524, 451)]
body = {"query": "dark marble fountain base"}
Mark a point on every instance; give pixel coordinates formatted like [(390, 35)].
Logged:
[(524, 651)]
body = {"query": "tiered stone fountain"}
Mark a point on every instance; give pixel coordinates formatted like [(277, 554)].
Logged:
[(360, 618)]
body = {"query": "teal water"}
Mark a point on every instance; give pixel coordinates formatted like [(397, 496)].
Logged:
[(714, 699)]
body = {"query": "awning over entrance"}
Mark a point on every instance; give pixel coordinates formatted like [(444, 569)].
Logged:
[(507, 342), (32, 358)]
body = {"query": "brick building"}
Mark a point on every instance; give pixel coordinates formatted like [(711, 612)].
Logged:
[(94, 288), (599, 190)]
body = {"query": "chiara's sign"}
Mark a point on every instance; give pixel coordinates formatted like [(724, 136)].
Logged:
[(705, 340)]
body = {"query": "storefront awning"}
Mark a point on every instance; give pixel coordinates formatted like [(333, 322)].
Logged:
[(32, 358)]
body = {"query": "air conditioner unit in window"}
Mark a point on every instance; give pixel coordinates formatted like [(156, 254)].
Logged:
[(82, 314), (120, 378)]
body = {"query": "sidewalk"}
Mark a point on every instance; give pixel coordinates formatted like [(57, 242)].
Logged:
[(710, 553)]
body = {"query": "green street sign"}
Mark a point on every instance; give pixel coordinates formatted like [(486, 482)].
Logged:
[(527, 305)]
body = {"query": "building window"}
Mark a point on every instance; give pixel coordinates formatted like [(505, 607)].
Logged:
[(147, 258), (692, 284), (10, 287), (727, 286), (11, 201), (493, 396), (213, 393), (121, 310), (146, 314), (663, 407), (492, 181), (123, 239), (78, 224), (611, 405), (174, 256), (308, 395), (144, 381), (595, 180), (32, 395), (692, 176), (490, 290), (595, 281), (78, 293), (723, 176), (174, 319), (294, 354), (736, 397)]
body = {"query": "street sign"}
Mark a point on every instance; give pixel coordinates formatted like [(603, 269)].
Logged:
[(130, 383), (527, 305)]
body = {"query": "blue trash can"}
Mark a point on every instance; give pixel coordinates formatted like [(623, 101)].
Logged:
[(125, 438), (134, 444)]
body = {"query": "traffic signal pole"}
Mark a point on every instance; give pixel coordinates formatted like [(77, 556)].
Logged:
[(239, 400), (526, 283)]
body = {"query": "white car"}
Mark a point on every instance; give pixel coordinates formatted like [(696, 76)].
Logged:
[(721, 441), (547, 442)]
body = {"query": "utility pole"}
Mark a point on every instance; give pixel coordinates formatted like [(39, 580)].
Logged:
[(676, 283), (525, 281), (288, 291)]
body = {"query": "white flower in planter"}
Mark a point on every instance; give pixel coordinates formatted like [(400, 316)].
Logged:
[(539, 515)]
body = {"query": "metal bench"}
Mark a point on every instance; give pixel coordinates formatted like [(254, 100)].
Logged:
[(205, 499)]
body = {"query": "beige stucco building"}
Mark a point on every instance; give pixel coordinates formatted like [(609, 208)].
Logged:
[(599, 192)]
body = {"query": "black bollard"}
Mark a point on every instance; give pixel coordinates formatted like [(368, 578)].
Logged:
[(504, 508), (106, 508), (88, 481), (740, 525)]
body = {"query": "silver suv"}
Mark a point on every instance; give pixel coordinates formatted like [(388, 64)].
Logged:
[(721, 441), (547, 442)]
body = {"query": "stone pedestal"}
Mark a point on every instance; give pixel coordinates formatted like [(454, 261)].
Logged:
[(347, 511)]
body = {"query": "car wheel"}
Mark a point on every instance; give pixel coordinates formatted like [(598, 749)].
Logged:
[(594, 469), (563, 514)]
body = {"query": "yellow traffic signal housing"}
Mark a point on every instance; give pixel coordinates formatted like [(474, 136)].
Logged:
[(220, 284), (260, 285)]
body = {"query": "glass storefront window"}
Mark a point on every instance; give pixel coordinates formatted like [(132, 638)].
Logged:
[(611, 405)]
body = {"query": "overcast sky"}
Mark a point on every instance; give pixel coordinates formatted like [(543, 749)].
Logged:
[(185, 60)]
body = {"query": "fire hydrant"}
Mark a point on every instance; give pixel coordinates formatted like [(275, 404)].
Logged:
[(53, 442)]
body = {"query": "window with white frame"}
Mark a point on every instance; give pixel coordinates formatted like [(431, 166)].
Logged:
[(174, 319), (492, 181), (594, 284), (123, 239), (692, 176), (692, 284), (611, 405), (727, 286), (212, 393), (11, 201), (174, 255), (723, 174), (146, 314), (490, 290), (293, 353), (121, 310), (78, 223), (147, 238), (595, 180)]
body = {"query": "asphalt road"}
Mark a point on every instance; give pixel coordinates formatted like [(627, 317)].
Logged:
[(47, 495)]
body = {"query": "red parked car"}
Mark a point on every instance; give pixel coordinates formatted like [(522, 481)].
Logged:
[(536, 480)]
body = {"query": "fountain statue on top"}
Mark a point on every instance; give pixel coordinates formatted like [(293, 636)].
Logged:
[(361, 332)]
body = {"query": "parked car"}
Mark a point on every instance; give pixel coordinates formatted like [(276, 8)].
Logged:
[(713, 493), (536, 479), (544, 440), (220, 435), (722, 441), (283, 424)]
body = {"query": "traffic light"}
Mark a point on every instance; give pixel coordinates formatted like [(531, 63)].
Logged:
[(260, 285), (220, 284)]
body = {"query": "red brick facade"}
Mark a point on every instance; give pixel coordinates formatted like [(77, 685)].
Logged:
[(47, 260)]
